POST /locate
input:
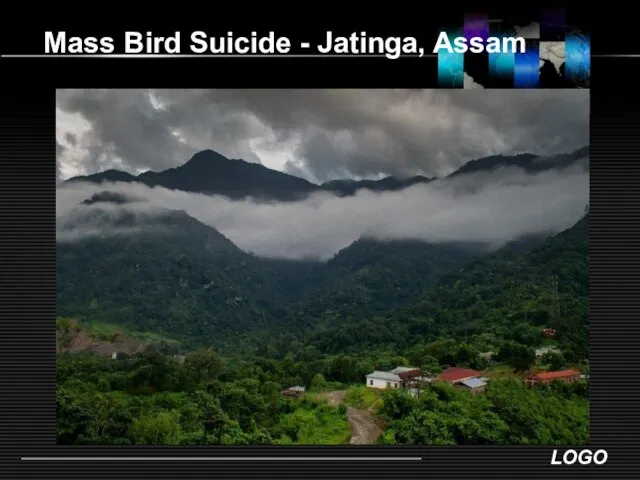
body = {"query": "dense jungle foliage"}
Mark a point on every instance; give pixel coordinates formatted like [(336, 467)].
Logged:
[(152, 398), (246, 328)]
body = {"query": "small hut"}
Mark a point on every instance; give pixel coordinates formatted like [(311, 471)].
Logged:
[(296, 391)]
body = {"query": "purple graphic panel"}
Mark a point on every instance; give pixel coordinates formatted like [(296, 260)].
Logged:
[(476, 25)]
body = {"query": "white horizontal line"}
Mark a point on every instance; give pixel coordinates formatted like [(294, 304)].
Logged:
[(216, 459), (159, 55), (618, 55)]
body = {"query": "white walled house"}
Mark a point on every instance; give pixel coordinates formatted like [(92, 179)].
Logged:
[(383, 380), (399, 377)]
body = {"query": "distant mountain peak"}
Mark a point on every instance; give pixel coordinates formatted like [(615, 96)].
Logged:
[(205, 157), (111, 175), (211, 173), (529, 162), (107, 196), (386, 184)]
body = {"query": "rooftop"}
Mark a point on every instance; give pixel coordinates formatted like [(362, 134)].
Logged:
[(398, 370), (554, 375), (410, 374), (296, 388), (390, 377), (452, 374), (473, 383)]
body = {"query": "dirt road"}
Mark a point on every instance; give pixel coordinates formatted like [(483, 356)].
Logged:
[(334, 398), (364, 430)]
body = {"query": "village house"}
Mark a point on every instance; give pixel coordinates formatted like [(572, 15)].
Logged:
[(383, 380), (567, 376), (464, 378), (296, 391), (455, 375), (549, 333), (474, 385), (413, 379), (399, 377)]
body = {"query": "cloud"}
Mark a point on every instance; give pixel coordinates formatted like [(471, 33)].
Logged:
[(60, 149), (108, 220), (321, 134), (510, 205)]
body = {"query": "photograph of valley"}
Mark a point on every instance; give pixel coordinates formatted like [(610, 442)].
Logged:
[(322, 267)]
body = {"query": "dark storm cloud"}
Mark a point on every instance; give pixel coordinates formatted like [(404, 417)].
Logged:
[(124, 124), (59, 151), (325, 134), (71, 139)]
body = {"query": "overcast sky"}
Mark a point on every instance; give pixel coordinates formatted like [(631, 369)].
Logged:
[(317, 134)]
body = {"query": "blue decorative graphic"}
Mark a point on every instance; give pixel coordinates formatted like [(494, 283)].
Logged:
[(451, 67), (557, 55), (502, 65), (526, 73), (577, 66)]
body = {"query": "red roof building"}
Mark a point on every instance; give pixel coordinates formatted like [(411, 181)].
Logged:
[(561, 375), (455, 374)]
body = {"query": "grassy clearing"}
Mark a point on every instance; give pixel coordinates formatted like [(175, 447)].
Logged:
[(501, 370), (327, 387), (363, 398), (313, 422)]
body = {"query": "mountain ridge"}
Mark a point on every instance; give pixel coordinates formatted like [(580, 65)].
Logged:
[(164, 271), (508, 295), (178, 277), (209, 172)]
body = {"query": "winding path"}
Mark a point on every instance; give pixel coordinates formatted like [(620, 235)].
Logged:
[(364, 430)]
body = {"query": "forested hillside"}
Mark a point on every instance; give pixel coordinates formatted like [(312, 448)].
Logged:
[(167, 273), (189, 283), (513, 295), (155, 399), (180, 278), (503, 296), (173, 276), (205, 335)]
